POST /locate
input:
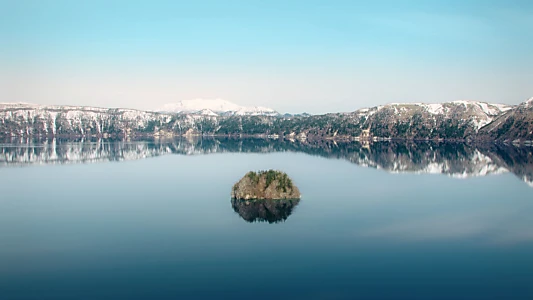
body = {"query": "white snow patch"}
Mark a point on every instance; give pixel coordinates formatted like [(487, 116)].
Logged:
[(207, 112), (434, 108), (464, 102), (215, 105)]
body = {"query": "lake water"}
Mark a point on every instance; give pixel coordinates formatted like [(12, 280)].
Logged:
[(153, 220)]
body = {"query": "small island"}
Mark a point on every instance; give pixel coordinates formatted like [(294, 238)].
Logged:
[(265, 185)]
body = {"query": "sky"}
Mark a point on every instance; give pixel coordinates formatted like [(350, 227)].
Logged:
[(290, 55)]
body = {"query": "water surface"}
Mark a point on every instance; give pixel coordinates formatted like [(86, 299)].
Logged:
[(153, 220)]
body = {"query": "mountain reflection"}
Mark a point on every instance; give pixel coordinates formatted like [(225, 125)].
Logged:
[(271, 211), (453, 159)]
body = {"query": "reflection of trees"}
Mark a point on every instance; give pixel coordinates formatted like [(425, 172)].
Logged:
[(456, 159), (271, 211)]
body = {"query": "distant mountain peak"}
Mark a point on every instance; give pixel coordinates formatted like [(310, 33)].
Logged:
[(216, 106), (17, 104)]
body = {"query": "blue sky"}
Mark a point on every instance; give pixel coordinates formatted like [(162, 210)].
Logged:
[(315, 56)]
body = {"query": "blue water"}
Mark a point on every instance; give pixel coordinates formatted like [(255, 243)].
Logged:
[(164, 228)]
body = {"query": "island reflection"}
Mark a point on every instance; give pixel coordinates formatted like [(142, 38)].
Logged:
[(271, 211), (453, 159)]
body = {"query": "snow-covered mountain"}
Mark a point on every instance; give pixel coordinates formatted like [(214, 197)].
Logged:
[(512, 125), (529, 102), (216, 107), (476, 114), (458, 120), (23, 119)]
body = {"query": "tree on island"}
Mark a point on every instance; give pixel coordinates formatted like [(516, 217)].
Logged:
[(269, 184)]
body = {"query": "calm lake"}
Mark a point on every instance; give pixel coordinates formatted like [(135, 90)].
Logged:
[(154, 220)]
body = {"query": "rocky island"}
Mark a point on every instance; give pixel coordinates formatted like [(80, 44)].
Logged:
[(271, 185)]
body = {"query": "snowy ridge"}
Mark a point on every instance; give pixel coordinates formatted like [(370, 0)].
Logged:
[(487, 108), (195, 105), (459, 120), (513, 126), (479, 114), (8, 105), (217, 107), (32, 119), (206, 112), (528, 103)]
